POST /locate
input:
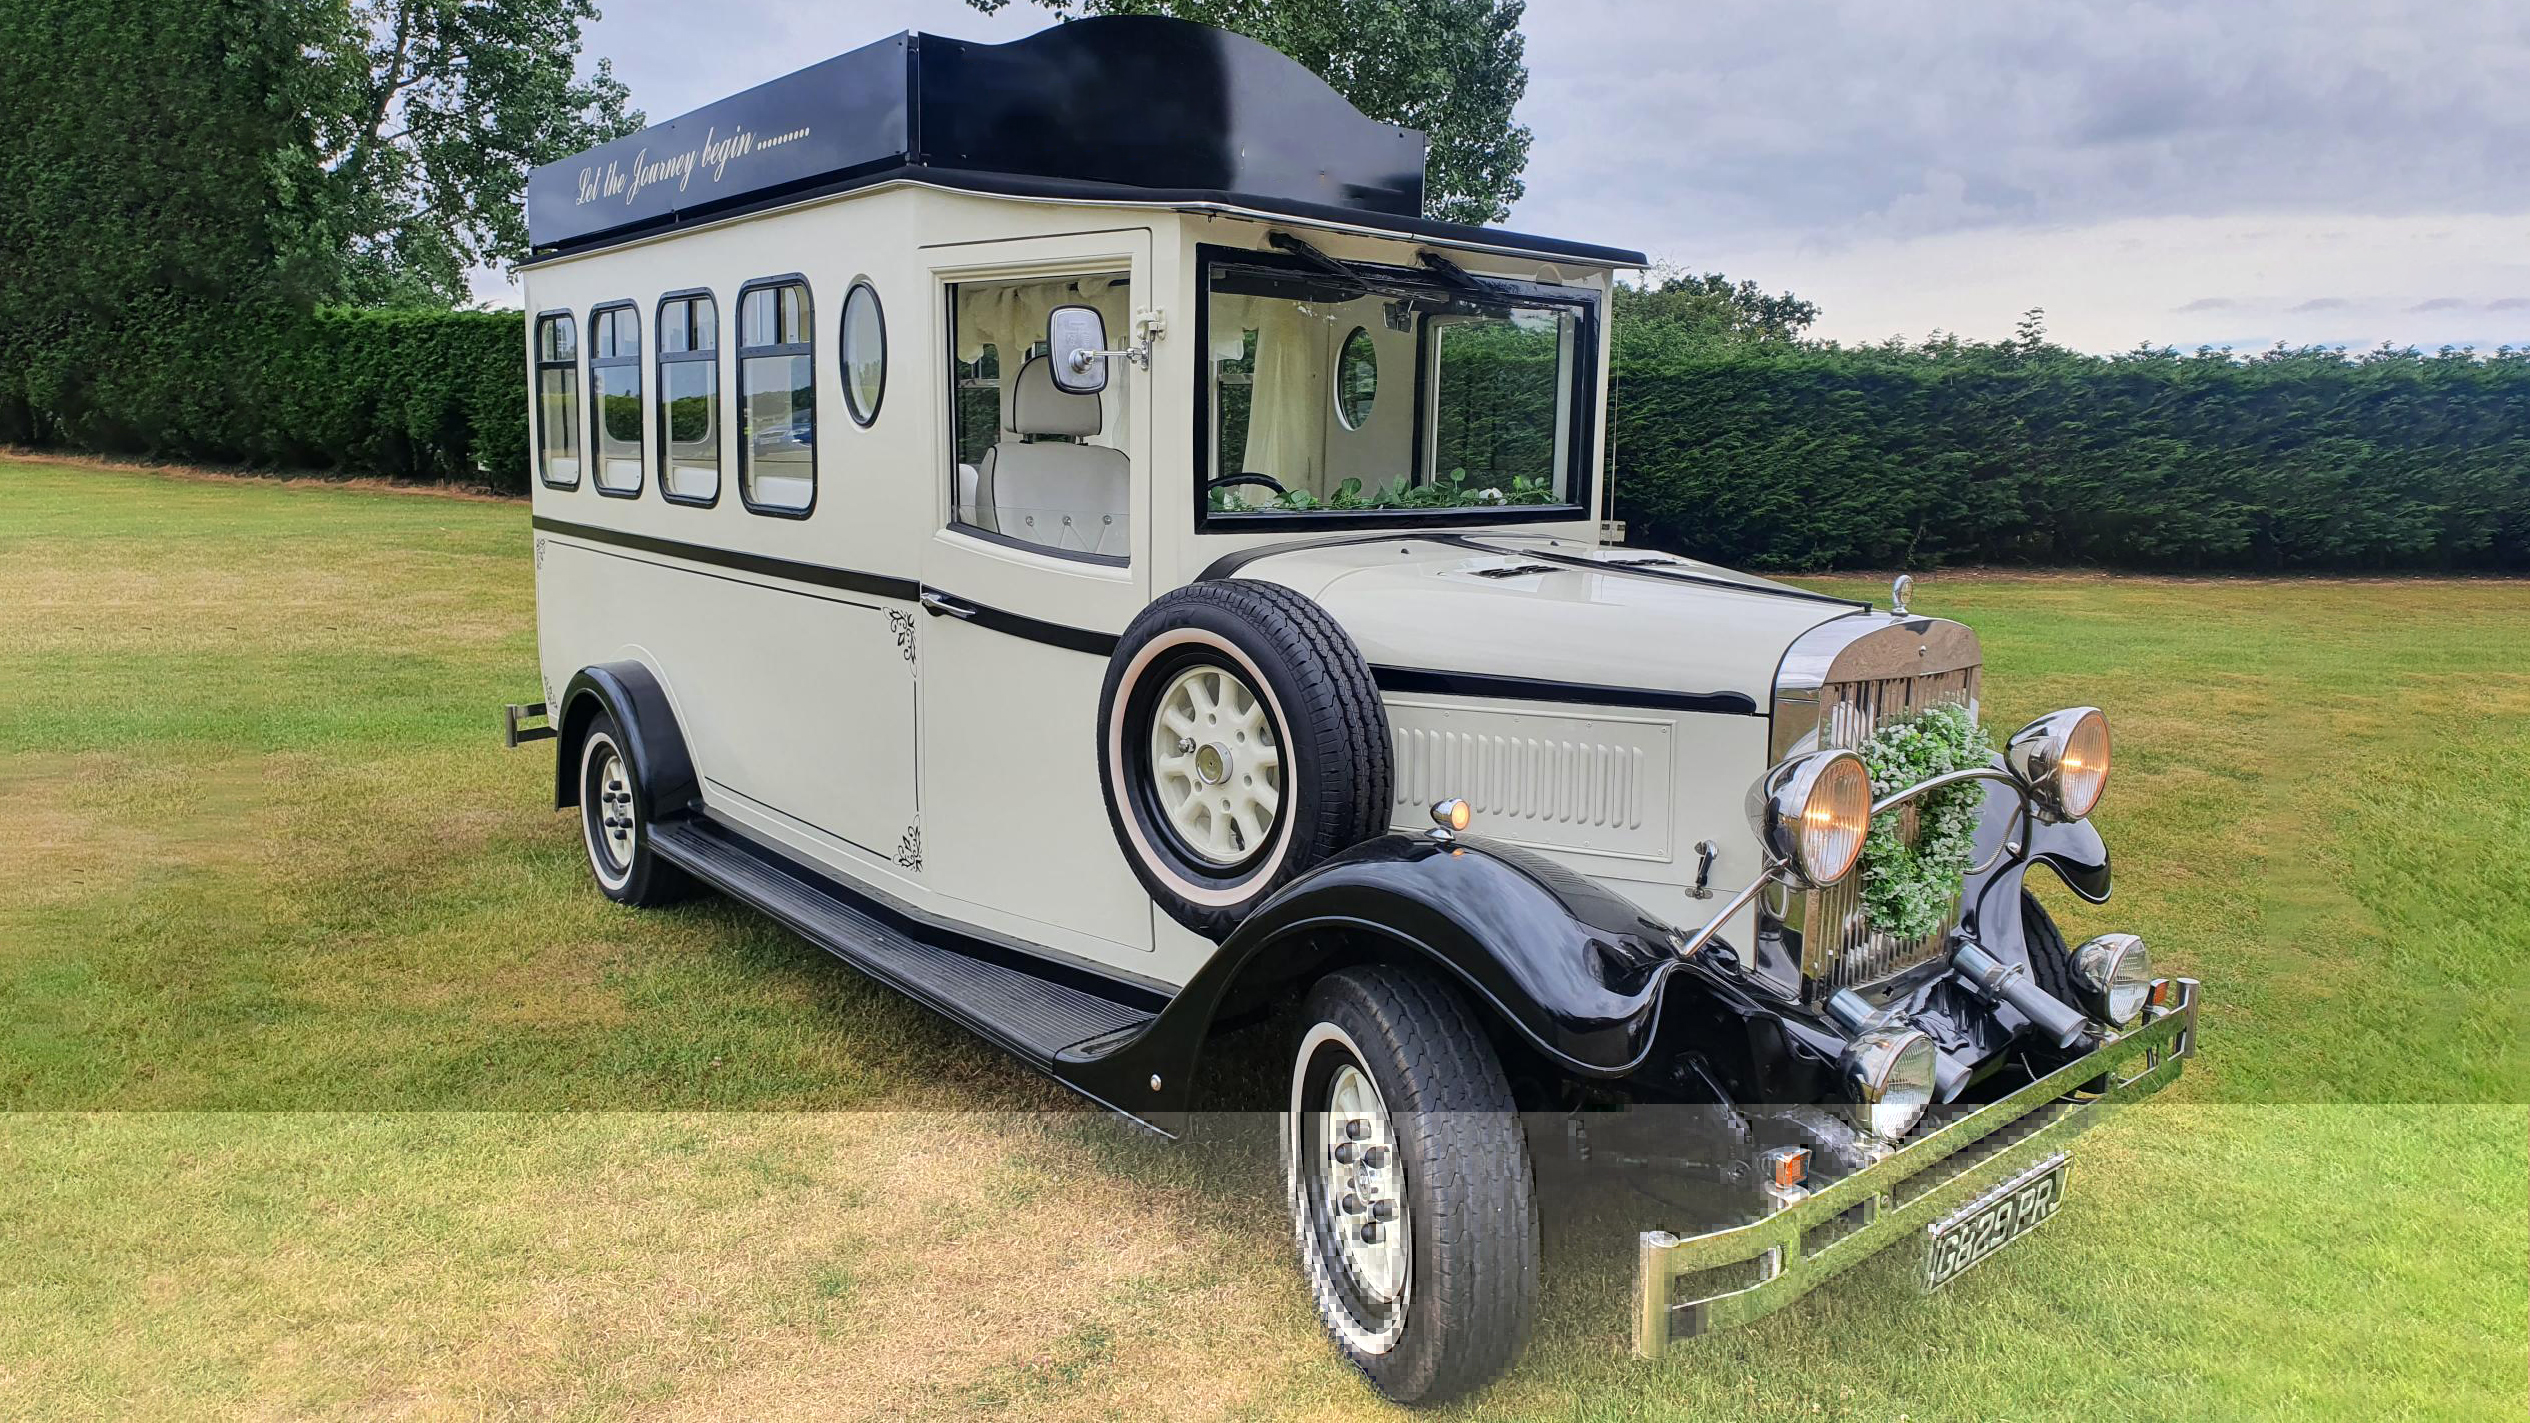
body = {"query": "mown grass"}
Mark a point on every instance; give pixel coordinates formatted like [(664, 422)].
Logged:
[(275, 902)]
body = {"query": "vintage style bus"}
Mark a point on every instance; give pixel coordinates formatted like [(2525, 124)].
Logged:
[(1054, 525)]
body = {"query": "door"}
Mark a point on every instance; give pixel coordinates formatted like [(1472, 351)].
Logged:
[(1040, 557)]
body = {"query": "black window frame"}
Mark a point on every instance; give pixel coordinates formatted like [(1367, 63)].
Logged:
[(660, 357), (843, 352), (1582, 437), (597, 416), (738, 363), (537, 365)]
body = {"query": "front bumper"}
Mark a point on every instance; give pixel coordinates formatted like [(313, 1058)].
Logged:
[(1688, 1286)]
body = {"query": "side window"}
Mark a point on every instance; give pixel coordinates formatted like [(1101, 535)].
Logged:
[(864, 353), (558, 401), (689, 398), (615, 398), (777, 399), (1036, 464)]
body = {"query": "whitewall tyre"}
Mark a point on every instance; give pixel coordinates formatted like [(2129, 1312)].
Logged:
[(615, 824), (1407, 1174), (1242, 741)]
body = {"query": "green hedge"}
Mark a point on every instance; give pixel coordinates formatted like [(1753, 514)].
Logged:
[(1781, 456)]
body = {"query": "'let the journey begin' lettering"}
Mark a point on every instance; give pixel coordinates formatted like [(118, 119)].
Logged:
[(712, 157)]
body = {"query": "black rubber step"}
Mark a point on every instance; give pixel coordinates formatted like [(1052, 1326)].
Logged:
[(1024, 1012)]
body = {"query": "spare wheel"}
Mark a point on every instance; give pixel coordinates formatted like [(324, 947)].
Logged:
[(1242, 741)]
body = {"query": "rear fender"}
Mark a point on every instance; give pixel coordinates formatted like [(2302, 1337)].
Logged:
[(629, 693)]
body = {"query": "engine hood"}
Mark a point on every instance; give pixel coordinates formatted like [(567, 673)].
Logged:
[(1477, 612)]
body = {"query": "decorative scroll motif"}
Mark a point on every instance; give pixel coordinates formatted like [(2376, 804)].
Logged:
[(909, 849), (904, 622), (540, 554)]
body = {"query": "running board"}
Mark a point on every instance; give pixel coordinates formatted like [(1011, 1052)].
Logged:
[(1031, 1015)]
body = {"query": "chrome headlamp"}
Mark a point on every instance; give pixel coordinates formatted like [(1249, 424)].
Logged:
[(2062, 758), (1811, 812), (1890, 1072), (2114, 972)]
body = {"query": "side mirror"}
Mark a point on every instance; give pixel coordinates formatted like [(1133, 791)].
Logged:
[(1076, 344)]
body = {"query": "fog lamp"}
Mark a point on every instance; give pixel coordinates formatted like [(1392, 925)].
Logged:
[(2115, 975), (1890, 1072), (2062, 758), (1811, 812)]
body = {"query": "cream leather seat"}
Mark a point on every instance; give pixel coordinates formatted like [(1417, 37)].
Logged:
[(1040, 483)]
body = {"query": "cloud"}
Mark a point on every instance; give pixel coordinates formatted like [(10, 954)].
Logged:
[(2207, 303), (2439, 303), (2509, 303), (2322, 303)]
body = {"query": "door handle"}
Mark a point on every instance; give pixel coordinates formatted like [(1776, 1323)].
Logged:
[(941, 605)]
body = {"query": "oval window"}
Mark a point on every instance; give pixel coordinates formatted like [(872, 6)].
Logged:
[(1356, 379), (864, 353)]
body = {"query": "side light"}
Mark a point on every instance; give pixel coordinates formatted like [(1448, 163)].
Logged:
[(1889, 1071), (2062, 758), (1811, 812), (2115, 975), (1453, 814)]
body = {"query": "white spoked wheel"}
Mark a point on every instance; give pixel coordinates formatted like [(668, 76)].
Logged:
[(606, 812), (1348, 1189), (1216, 767)]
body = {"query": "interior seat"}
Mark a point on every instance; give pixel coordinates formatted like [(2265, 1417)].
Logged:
[(1041, 483)]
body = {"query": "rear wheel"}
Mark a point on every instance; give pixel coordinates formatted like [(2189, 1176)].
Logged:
[(615, 825), (1409, 1183)]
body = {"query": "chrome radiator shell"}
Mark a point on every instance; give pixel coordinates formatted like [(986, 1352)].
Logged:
[(1836, 685)]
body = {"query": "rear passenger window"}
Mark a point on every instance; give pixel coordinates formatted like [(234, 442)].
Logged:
[(558, 400), (615, 398), (689, 399), (777, 399)]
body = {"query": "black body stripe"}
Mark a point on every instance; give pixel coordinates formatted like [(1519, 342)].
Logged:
[(1530, 689), (878, 585), (1103, 644)]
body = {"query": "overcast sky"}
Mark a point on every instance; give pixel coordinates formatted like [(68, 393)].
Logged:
[(2223, 172)]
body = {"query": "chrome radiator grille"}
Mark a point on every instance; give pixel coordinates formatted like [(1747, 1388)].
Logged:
[(1837, 950)]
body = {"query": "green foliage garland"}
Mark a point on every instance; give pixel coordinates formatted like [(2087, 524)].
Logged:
[(1907, 890)]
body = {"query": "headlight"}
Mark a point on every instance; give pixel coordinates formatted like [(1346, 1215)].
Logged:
[(2115, 972), (1812, 811), (2063, 758), (1890, 1072)]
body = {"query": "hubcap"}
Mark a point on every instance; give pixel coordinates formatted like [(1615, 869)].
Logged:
[(1216, 766), (1364, 1196), (614, 790)]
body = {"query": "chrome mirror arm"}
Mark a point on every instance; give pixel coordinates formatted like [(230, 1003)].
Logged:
[(1688, 946)]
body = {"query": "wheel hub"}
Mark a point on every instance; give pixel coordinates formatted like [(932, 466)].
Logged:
[(1364, 1186), (1216, 765), (614, 790)]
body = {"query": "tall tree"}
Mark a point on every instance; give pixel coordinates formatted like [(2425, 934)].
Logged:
[(1452, 68), (428, 116), (1711, 307)]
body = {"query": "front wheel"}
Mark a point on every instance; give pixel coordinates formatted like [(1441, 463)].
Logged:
[(1411, 1194)]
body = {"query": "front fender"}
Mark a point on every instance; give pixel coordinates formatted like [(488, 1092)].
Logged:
[(1573, 969), (1990, 905)]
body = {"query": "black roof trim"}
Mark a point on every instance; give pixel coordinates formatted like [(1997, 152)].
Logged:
[(1126, 109), (1456, 234)]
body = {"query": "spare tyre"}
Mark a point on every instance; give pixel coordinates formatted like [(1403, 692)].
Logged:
[(1241, 742)]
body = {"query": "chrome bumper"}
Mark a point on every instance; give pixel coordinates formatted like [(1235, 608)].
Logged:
[(1684, 1287)]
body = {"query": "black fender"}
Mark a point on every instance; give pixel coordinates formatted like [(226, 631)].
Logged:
[(1570, 967), (663, 772), (1990, 904)]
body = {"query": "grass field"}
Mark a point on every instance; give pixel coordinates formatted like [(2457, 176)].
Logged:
[(335, 1088)]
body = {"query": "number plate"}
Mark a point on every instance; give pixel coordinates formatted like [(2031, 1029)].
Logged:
[(1993, 1220)]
